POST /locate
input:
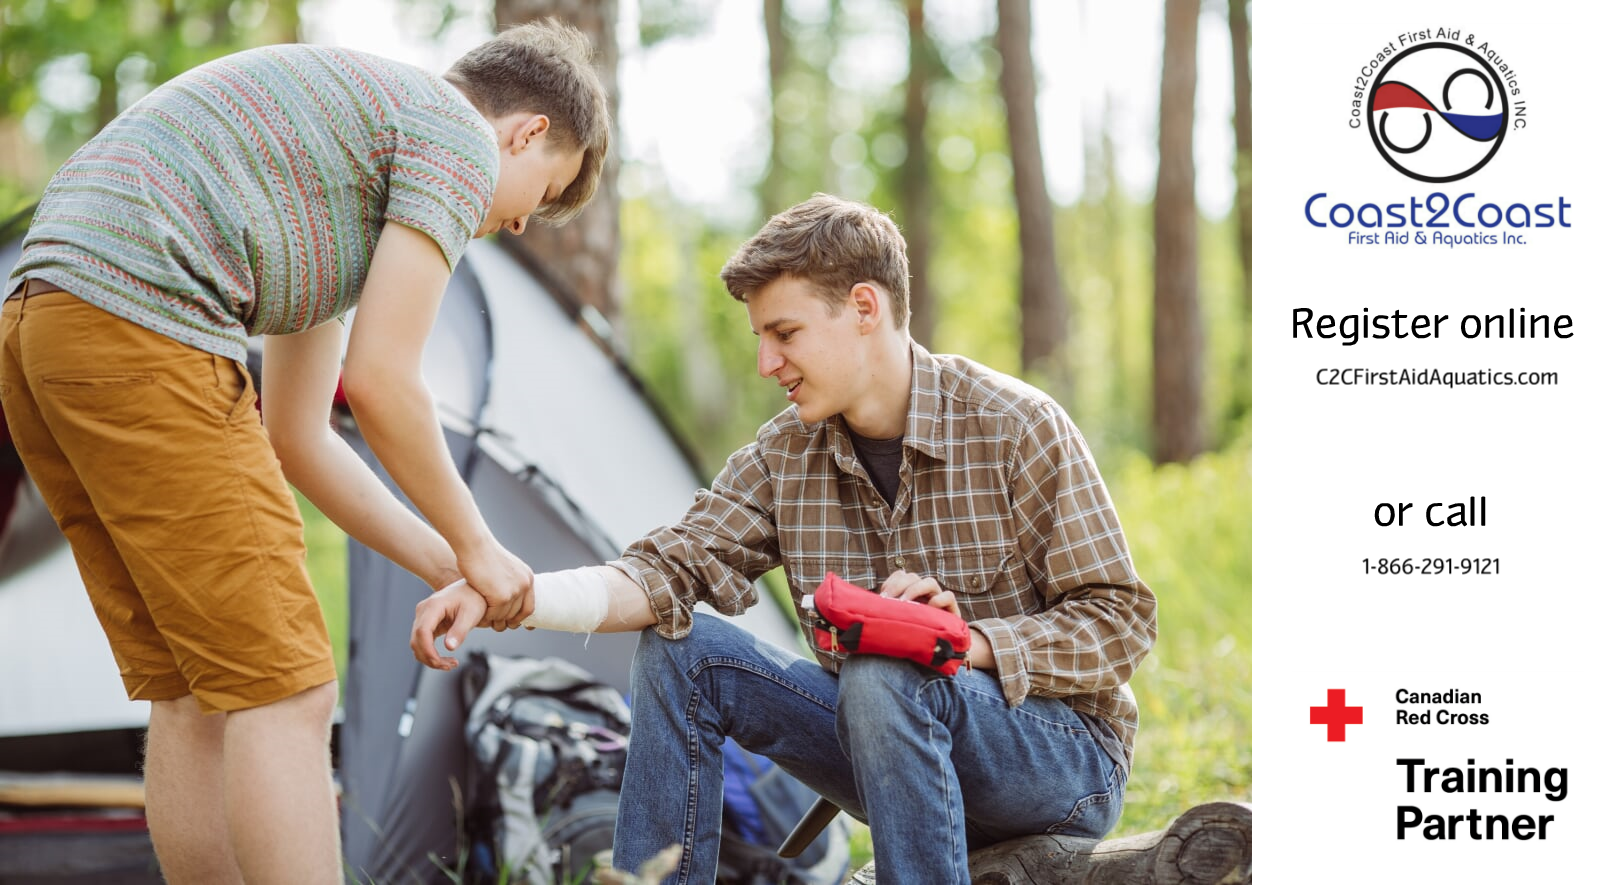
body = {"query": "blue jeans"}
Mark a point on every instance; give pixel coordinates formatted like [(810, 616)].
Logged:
[(932, 764)]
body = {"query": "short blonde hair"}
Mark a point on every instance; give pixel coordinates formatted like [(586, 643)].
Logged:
[(544, 68), (832, 243)]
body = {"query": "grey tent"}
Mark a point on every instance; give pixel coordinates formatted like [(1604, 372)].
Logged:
[(568, 460)]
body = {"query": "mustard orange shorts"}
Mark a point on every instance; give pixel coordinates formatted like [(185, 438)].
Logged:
[(151, 457)]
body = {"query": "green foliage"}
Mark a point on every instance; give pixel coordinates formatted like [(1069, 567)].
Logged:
[(1189, 528), (67, 67)]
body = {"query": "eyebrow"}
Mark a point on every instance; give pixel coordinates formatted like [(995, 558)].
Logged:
[(774, 323)]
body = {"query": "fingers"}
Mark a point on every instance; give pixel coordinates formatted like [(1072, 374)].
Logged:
[(946, 600), (428, 617), (527, 603), (451, 611), (905, 585), (463, 622), (898, 583)]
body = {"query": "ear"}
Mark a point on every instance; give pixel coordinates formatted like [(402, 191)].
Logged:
[(867, 300), (528, 132)]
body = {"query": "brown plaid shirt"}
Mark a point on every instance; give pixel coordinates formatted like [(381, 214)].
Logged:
[(999, 500)]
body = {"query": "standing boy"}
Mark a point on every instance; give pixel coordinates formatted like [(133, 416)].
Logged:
[(266, 193)]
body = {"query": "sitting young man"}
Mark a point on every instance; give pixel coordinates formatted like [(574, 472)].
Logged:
[(928, 478)]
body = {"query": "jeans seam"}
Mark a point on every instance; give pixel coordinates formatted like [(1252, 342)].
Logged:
[(1023, 711), (708, 663), (684, 871), (949, 801)]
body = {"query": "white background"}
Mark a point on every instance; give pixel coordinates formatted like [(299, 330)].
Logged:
[(1531, 641)]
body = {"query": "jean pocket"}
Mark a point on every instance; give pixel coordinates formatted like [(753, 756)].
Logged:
[(1096, 814)]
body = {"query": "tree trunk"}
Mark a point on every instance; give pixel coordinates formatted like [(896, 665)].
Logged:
[(1176, 345), (580, 257), (1044, 304), (1240, 46), (1208, 845), (1240, 50), (915, 182), (773, 190)]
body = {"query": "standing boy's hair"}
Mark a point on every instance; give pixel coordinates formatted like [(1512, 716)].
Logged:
[(832, 243), (544, 68)]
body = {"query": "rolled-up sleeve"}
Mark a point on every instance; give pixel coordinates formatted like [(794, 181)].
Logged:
[(1099, 619), (726, 540)]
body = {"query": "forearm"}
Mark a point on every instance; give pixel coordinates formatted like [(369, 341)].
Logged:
[(400, 425), (337, 481), (596, 599), (1090, 641)]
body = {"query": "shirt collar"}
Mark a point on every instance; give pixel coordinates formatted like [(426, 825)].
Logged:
[(923, 417)]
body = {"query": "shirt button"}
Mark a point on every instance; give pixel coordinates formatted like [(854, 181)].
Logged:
[(977, 581), (899, 562)]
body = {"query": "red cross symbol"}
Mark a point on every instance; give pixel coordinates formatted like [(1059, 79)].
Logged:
[(1337, 715)]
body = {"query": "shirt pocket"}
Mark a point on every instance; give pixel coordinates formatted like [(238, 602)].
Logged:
[(978, 569), (805, 573)]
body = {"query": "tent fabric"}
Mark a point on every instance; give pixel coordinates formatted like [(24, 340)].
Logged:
[(567, 459)]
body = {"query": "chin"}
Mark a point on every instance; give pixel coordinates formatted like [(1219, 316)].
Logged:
[(809, 415)]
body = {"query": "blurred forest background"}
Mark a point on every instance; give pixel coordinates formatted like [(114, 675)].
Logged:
[(1117, 292)]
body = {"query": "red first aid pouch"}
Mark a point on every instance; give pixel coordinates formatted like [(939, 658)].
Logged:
[(853, 619)]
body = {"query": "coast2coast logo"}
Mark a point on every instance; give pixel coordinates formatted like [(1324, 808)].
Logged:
[(1438, 107)]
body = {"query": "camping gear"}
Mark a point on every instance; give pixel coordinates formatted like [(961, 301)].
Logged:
[(549, 748)]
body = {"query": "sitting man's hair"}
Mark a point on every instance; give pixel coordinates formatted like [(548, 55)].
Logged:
[(544, 68), (832, 244)]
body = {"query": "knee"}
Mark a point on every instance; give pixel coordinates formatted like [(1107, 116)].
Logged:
[(872, 688), (655, 652), (313, 708), (657, 658)]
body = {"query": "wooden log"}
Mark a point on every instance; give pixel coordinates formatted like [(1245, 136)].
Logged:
[(1207, 845)]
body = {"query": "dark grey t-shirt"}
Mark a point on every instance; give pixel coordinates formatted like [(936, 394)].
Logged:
[(881, 458)]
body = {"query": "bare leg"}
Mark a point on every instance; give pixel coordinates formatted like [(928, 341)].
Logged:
[(280, 799), (184, 801)]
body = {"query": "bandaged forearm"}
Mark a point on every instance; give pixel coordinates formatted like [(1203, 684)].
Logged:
[(575, 601)]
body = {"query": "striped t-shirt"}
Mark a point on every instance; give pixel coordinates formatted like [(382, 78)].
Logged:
[(246, 196)]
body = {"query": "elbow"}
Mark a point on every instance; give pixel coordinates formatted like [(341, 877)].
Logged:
[(361, 387), (375, 390), (291, 448)]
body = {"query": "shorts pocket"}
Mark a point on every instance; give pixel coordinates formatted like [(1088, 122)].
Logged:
[(235, 389), (98, 382)]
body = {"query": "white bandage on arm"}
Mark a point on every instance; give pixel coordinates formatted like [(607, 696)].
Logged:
[(576, 601)]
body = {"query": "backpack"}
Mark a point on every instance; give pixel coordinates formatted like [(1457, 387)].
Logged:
[(548, 746)]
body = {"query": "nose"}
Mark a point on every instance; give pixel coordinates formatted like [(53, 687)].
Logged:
[(769, 362)]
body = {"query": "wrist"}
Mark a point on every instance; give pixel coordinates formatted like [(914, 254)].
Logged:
[(980, 656), (477, 544), (576, 601), (443, 577)]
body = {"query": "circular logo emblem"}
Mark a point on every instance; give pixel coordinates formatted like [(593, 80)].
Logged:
[(1438, 112)]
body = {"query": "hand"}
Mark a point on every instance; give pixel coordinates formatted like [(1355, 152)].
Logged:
[(503, 580), (450, 611), (904, 585)]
